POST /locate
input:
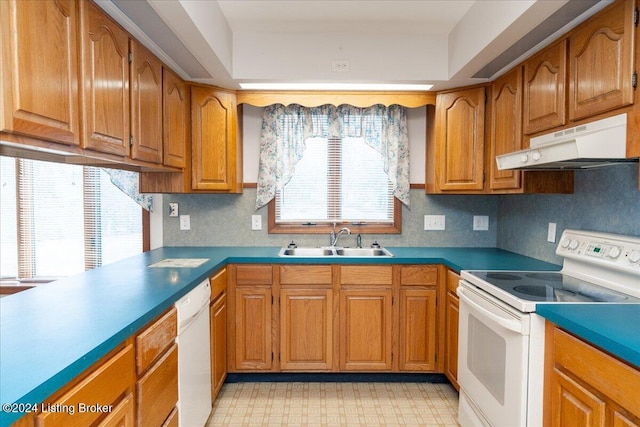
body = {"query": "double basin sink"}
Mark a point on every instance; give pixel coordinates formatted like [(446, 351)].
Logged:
[(334, 252)]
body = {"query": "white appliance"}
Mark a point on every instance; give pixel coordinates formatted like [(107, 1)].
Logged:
[(194, 360), (501, 338), (596, 144)]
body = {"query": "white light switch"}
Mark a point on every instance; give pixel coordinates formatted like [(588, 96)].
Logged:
[(434, 222), (256, 222), (185, 222), (551, 233), (480, 222)]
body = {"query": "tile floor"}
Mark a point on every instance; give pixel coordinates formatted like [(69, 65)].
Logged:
[(335, 404)]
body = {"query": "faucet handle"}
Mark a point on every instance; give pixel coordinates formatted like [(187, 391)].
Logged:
[(375, 245), (292, 245)]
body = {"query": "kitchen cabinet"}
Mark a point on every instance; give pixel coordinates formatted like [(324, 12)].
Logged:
[(157, 368), (417, 321), (306, 318), (366, 318), (544, 89), (601, 65), (175, 104), (585, 386), (506, 137), (39, 70), (451, 329), (146, 105), (458, 156), (105, 82), (215, 148), (218, 326), (108, 384), (251, 322)]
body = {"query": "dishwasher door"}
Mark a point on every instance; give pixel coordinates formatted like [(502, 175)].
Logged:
[(194, 360)]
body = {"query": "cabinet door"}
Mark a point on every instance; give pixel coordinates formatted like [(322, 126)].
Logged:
[(601, 62), (218, 319), (253, 344), (573, 405), (175, 119), (157, 390), (460, 140), (544, 89), (40, 69), (214, 146), (121, 415), (105, 82), (452, 316), (506, 129), (146, 105), (306, 329), (417, 329), (365, 330)]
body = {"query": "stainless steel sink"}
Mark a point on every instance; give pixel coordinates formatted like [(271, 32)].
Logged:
[(363, 252), (330, 252)]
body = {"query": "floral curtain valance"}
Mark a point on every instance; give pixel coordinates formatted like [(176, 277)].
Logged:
[(127, 182), (286, 128)]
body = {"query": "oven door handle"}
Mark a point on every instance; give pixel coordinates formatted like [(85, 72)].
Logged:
[(510, 324)]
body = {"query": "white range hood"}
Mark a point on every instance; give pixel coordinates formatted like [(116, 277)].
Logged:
[(596, 144)]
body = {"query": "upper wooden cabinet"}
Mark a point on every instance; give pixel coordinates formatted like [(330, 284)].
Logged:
[(215, 150), (175, 103), (544, 104), (601, 63), (506, 127), (39, 70), (146, 105), (105, 82), (459, 140)]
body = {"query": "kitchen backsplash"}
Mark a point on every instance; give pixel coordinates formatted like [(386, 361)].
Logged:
[(604, 200), (225, 220)]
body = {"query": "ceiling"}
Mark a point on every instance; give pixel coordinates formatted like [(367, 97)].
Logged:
[(444, 43)]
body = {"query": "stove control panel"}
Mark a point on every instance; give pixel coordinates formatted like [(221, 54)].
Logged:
[(612, 250)]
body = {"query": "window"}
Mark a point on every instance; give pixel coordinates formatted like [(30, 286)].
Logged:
[(60, 219)]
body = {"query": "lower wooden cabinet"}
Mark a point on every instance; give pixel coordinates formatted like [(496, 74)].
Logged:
[(452, 308), (218, 326), (417, 325), (586, 386), (122, 414)]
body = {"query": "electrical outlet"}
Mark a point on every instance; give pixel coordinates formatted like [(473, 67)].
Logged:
[(434, 222), (551, 232), (185, 222), (256, 222), (340, 66), (173, 210), (480, 222)]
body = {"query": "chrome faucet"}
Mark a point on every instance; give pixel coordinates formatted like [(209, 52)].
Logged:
[(333, 237)]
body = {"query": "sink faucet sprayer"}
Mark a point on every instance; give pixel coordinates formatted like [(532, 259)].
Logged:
[(333, 237)]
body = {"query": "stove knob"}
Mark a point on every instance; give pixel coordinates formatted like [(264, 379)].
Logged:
[(565, 242), (536, 156), (614, 252), (634, 256), (524, 158), (574, 244)]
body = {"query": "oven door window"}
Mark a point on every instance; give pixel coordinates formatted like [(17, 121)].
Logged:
[(493, 359)]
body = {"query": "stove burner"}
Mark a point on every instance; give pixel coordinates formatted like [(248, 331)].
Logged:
[(503, 276), (551, 277), (533, 290)]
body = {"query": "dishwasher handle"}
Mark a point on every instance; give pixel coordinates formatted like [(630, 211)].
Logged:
[(185, 323)]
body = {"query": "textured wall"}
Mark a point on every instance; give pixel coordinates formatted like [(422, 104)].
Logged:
[(605, 200), (225, 220)]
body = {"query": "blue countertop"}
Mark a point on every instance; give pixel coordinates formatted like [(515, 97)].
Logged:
[(52, 333)]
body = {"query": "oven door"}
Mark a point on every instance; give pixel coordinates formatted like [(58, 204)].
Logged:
[(492, 361)]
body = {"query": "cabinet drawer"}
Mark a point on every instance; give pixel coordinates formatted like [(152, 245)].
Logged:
[(591, 365), (102, 387), (122, 414), (157, 390), (366, 275), (452, 281), (155, 339), (253, 275), (305, 275), (419, 275), (218, 284)]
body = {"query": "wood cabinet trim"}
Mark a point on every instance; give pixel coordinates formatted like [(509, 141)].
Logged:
[(155, 339)]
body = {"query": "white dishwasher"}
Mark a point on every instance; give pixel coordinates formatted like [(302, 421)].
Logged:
[(194, 360)]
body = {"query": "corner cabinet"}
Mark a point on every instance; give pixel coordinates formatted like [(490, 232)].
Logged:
[(585, 386), (39, 70), (601, 63), (216, 150), (458, 159), (175, 104)]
